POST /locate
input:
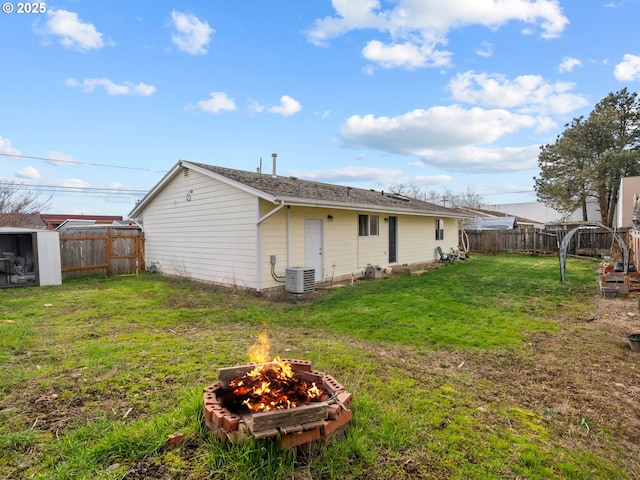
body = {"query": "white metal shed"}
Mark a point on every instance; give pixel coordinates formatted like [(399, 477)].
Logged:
[(29, 257)]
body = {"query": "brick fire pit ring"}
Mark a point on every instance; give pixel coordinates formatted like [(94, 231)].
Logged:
[(291, 427)]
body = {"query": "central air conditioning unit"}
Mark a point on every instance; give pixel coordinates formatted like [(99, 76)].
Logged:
[(300, 280)]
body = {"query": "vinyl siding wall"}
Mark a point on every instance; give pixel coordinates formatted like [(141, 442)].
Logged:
[(344, 251), (283, 235), (341, 245), (417, 238), (202, 229), (273, 234)]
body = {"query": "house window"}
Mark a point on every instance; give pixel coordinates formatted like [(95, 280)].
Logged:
[(440, 229), (368, 225), (363, 224), (374, 222)]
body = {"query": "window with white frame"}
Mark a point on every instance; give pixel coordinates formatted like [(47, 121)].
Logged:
[(368, 225), (439, 229)]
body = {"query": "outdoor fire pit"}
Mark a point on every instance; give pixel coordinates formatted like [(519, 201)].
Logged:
[(285, 399)]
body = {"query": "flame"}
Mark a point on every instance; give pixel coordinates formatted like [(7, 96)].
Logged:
[(272, 386), (260, 351)]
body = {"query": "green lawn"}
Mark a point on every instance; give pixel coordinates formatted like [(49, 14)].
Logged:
[(97, 372)]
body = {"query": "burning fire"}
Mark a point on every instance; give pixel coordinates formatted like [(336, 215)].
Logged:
[(259, 352), (270, 386)]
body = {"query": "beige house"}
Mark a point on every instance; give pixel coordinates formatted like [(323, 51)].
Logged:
[(251, 229)]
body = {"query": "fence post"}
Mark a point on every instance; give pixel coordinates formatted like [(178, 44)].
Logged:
[(109, 251)]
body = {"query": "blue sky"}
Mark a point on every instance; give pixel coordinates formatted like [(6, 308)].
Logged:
[(100, 99)]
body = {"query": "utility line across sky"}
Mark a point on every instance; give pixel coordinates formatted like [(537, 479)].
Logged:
[(74, 162)]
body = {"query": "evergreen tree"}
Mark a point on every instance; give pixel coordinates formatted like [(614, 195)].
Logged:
[(589, 158)]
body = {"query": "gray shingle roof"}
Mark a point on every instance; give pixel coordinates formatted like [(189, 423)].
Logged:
[(291, 189)]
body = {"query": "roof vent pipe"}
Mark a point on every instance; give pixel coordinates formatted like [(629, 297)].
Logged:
[(274, 156)]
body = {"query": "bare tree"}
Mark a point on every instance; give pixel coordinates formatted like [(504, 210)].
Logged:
[(449, 198), (468, 199), (410, 190), (16, 203)]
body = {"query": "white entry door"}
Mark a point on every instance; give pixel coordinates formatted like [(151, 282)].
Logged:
[(313, 255)]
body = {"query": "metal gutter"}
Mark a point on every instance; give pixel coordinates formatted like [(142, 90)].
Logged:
[(369, 207)]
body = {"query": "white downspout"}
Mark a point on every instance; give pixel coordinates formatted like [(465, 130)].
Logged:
[(258, 252), (259, 242), (272, 212), (289, 240)]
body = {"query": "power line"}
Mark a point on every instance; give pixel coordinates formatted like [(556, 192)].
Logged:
[(60, 188), (74, 162)]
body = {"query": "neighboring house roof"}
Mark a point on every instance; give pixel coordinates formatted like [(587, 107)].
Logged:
[(540, 214), (492, 223), (75, 223), (58, 218), (23, 230), (92, 224), (569, 225), (295, 191), (29, 220), (495, 220)]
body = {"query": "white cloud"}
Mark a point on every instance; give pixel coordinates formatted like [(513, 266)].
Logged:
[(127, 88), (60, 159), (423, 181), (477, 159), (437, 127), (70, 30), (430, 180), (526, 93), (28, 172), (218, 102), (352, 15), (288, 106), (381, 177), (546, 124), (256, 107), (348, 175), (406, 55), (449, 137), (629, 69), (484, 50), (416, 29), (5, 147), (74, 183), (192, 34), (568, 64)]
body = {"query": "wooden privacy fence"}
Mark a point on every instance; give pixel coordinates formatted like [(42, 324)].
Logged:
[(107, 251), (588, 242), (516, 240)]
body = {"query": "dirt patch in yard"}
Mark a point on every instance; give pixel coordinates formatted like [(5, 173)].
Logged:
[(584, 378)]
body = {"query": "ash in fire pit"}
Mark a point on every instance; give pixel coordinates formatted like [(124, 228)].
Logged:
[(283, 398)]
